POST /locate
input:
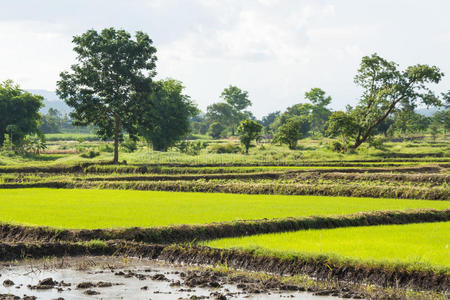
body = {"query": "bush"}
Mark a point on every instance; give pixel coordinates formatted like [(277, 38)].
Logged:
[(338, 147), (90, 154), (377, 142), (191, 148), (215, 130), (129, 145), (224, 148), (106, 148)]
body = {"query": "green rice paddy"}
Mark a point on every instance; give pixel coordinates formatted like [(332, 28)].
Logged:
[(90, 209), (423, 244)]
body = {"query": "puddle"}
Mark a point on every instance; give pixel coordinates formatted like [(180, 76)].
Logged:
[(118, 278)]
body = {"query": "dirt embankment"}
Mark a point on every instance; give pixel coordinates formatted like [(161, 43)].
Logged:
[(193, 233), (320, 268)]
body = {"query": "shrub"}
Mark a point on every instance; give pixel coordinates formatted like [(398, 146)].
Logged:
[(338, 147), (90, 154), (129, 145), (106, 148), (224, 148), (215, 130), (191, 148), (249, 130)]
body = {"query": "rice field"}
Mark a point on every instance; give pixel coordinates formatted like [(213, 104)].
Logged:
[(89, 209), (415, 244)]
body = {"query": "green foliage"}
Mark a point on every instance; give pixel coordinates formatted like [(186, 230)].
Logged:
[(215, 130), (8, 146), (230, 112), (111, 69), (129, 145), (441, 120), (90, 154), (267, 120), (106, 148), (191, 148), (19, 113), (343, 125), (319, 112), (34, 143), (249, 130), (236, 97), (165, 115), (407, 121), (52, 122), (223, 148), (385, 88), (290, 132)]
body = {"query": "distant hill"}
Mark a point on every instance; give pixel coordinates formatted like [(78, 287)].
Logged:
[(51, 100)]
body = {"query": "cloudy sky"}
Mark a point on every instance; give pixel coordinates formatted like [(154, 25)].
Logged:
[(274, 49)]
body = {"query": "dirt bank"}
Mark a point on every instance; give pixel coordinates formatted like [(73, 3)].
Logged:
[(319, 268)]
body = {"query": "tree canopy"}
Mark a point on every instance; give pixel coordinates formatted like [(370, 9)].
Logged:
[(19, 113), (249, 130), (385, 89), (290, 132), (165, 115), (111, 69), (230, 112)]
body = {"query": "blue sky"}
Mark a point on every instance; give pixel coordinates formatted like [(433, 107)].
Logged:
[(274, 49)]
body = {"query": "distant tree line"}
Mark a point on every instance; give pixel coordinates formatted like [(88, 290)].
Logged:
[(111, 89), (387, 107)]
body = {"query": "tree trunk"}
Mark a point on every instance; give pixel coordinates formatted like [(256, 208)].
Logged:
[(116, 139)]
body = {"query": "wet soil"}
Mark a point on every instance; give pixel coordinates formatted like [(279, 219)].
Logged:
[(125, 278)]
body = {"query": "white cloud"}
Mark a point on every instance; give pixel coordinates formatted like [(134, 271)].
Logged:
[(33, 53), (274, 49)]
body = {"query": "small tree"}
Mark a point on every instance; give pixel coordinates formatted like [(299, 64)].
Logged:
[(112, 68), (290, 132), (343, 126), (19, 113), (249, 130), (215, 130)]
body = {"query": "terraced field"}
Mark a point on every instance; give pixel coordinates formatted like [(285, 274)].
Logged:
[(420, 245), (89, 209), (382, 222)]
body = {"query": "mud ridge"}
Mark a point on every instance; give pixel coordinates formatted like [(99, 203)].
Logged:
[(320, 268), (194, 233), (396, 276)]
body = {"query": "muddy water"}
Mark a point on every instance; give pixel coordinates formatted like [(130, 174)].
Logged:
[(117, 279)]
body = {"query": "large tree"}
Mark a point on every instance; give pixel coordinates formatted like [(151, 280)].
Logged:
[(111, 69), (386, 89), (19, 112), (165, 115)]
